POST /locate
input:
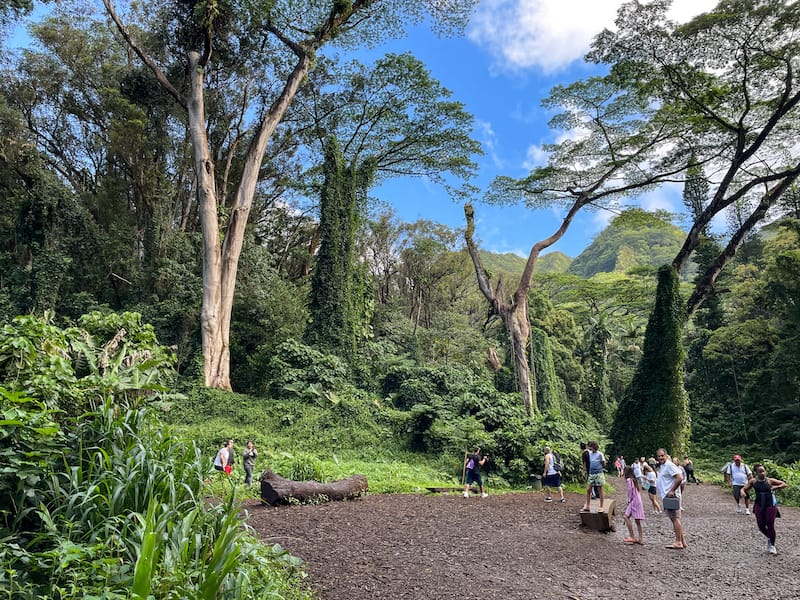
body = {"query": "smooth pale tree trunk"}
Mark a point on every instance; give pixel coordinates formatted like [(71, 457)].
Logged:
[(221, 259)]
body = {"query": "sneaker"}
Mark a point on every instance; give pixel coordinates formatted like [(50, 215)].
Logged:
[(548, 499), (563, 500), (484, 495), (772, 549), (747, 511), (466, 494), (738, 509)]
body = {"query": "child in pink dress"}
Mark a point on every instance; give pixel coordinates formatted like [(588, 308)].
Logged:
[(635, 509)]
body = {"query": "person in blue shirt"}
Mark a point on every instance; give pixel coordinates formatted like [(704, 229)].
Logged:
[(597, 463)]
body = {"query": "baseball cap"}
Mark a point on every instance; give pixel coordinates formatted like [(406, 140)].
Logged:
[(737, 457)]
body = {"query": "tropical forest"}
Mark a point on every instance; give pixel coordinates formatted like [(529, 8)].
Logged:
[(192, 250)]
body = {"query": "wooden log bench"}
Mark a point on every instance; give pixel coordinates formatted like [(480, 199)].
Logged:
[(601, 520)]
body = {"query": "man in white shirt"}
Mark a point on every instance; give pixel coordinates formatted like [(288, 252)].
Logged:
[(739, 474), (669, 485)]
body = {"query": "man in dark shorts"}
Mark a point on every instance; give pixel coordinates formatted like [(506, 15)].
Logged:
[(473, 465)]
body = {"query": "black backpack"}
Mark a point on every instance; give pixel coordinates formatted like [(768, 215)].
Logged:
[(558, 464)]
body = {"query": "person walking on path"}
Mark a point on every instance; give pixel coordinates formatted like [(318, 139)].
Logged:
[(551, 478), (585, 465), (669, 486), (634, 510), (597, 463), (249, 461), (650, 479), (738, 474), (764, 505), (224, 459), (688, 466), (473, 464)]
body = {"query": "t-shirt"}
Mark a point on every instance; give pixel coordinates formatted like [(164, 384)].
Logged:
[(739, 475), (223, 452), (666, 479), (550, 462), (596, 460), (637, 470), (474, 462)]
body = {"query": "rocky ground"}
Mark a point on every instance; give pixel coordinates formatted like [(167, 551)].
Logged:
[(516, 546)]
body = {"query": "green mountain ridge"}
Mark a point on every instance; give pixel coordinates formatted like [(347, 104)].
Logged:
[(634, 238)]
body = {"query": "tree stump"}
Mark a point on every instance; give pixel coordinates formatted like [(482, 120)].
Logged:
[(277, 490), (601, 521)]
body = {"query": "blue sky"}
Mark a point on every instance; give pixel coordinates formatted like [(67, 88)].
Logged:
[(513, 52)]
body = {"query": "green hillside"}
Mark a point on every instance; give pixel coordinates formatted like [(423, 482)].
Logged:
[(634, 238), (513, 264)]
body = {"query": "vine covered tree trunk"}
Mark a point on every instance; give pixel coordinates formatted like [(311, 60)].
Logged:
[(654, 412), (337, 284)]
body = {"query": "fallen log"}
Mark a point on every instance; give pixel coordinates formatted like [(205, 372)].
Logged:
[(277, 490)]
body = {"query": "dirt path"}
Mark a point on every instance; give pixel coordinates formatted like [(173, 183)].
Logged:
[(516, 546)]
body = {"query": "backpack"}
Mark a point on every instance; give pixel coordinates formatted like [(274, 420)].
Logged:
[(558, 463)]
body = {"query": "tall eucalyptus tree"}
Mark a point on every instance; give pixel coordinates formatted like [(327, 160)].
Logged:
[(266, 53)]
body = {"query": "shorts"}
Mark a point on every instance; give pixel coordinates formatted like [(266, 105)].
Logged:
[(553, 481), (651, 490), (737, 492), (474, 476), (597, 479)]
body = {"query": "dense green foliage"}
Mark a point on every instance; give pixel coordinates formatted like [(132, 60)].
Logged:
[(108, 502)]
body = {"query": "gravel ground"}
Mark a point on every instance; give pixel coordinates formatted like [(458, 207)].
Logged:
[(516, 546)]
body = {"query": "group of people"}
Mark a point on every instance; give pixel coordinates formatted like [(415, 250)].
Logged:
[(666, 486), (671, 482), (663, 478), (226, 459)]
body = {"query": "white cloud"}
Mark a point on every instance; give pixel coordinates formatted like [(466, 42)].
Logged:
[(535, 157), (666, 197), (489, 139), (551, 34)]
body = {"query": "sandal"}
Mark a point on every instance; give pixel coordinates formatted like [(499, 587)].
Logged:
[(628, 540), (640, 542), (674, 546)]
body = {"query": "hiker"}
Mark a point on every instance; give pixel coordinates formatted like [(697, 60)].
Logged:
[(551, 477), (688, 466), (669, 487), (585, 466), (249, 461), (650, 486), (765, 504), (473, 464), (224, 459), (618, 467), (738, 475), (634, 510), (596, 479)]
